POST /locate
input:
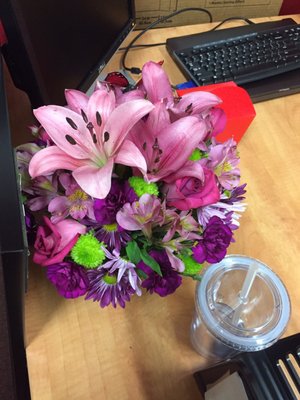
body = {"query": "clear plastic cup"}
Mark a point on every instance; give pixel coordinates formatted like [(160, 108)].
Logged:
[(240, 305)]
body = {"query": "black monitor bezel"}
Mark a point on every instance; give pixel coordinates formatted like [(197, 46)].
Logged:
[(14, 383), (17, 53)]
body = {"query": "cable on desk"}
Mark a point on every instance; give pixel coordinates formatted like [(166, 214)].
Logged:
[(232, 19), (137, 46), (136, 70)]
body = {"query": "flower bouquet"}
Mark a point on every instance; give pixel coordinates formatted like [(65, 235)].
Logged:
[(129, 189)]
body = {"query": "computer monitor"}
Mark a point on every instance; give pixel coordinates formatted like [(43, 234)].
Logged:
[(14, 383), (57, 44)]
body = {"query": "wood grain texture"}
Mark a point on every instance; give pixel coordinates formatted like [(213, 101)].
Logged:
[(78, 351)]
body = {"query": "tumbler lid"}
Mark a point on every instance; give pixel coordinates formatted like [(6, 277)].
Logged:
[(243, 303)]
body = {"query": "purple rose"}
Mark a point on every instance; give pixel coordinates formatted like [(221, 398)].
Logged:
[(70, 280), (106, 209), (190, 192), (216, 238), (162, 285)]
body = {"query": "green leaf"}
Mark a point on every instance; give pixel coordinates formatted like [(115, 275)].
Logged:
[(141, 273), (133, 252), (148, 260)]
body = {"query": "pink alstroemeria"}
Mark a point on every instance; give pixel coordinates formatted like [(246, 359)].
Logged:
[(89, 137), (75, 202), (141, 215), (223, 159)]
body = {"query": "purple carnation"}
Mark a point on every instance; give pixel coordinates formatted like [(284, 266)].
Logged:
[(162, 285), (106, 209), (216, 238), (69, 279)]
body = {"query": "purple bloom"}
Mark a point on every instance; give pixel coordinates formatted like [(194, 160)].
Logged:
[(29, 222), (69, 279), (43, 189), (216, 238), (31, 226), (105, 288), (123, 266), (106, 209), (114, 282), (113, 235), (229, 209), (236, 195), (162, 285)]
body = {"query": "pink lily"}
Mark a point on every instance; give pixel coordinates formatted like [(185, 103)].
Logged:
[(89, 140), (167, 146), (157, 87)]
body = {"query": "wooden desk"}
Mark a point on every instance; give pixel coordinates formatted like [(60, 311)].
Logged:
[(77, 351)]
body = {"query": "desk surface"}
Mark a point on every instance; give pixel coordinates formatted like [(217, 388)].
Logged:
[(78, 351)]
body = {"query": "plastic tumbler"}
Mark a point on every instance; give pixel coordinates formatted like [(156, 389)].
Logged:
[(240, 305)]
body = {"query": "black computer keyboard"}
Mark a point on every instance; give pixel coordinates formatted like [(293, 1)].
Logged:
[(243, 54)]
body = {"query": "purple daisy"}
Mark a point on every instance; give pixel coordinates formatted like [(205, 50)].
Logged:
[(114, 282), (117, 263), (105, 288), (162, 285), (113, 235), (236, 195), (228, 209), (69, 279)]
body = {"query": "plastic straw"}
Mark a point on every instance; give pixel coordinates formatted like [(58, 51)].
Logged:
[(244, 294)]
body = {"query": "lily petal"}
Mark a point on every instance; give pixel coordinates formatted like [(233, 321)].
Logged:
[(218, 120), (143, 137), (93, 180), (177, 141), (159, 117), (128, 96), (195, 103), (55, 121), (76, 100), (156, 82), (100, 106), (121, 120), (49, 160), (131, 156)]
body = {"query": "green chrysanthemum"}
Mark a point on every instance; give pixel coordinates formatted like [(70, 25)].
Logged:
[(88, 251), (141, 187), (197, 154), (191, 267)]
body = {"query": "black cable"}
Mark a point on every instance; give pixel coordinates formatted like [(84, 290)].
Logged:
[(137, 46), (136, 70), (232, 19)]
